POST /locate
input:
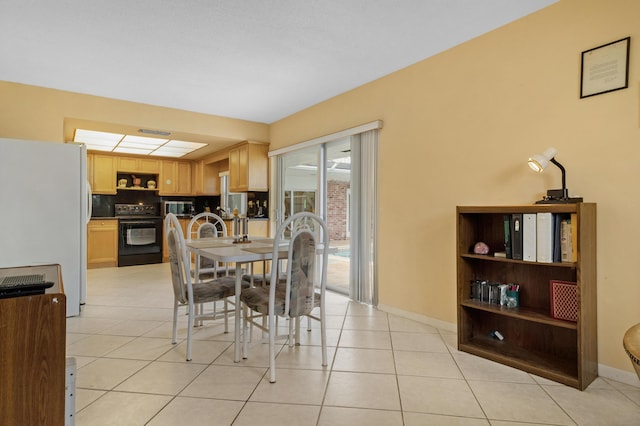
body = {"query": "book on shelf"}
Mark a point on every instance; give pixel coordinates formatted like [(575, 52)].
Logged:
[(544, 234), (516, 236), (574, 237), (566, 248), (557, 252), (507, 235), (529, 237)]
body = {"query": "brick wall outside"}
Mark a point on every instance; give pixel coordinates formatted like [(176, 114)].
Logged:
[(337, 209)]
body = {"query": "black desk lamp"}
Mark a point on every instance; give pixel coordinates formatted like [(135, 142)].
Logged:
[(538, 163)]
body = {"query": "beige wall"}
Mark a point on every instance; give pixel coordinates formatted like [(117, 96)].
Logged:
[(29, 112), (458, 129)]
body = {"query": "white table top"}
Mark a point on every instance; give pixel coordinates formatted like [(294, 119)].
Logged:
[(224, 250)]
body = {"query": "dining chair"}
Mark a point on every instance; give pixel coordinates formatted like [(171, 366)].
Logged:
[(304, 237), (208, 225), (188, 293)]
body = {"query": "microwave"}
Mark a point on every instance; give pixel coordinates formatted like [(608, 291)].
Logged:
[(179, 208)]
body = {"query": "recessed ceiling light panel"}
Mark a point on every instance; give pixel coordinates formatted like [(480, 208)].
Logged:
[(132, 144)]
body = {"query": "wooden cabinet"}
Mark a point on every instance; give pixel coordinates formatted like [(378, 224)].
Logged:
[(534, 341), (258, 228), (102, 243), (32, 332), (138, 165), (101, 172), (175, 178), (249, 167), (206, 178)]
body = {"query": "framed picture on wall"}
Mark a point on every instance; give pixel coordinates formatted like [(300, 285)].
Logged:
[(605, 68)]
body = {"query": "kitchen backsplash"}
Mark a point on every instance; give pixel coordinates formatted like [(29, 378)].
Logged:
[(104, 205)]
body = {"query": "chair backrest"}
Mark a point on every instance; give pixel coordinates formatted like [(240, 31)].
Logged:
[(178, 260), (206, 225), (308, 238)]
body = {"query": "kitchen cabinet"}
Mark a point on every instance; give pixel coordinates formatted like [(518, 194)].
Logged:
[(175, 178), (101, 173), (259, 227), (32, 375), (138, 165), (249, 167), (206, 178), (102, 243)]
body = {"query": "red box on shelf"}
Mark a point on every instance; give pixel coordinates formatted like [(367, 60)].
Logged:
[(564, 300)]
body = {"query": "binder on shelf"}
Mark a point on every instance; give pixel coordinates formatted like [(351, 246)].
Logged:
[(507, 235), (516, 236), (529, 237), (557, 256), (574, 237), (565, 241), (544, 233)]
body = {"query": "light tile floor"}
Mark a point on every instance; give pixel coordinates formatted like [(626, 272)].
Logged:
[(383, 370)]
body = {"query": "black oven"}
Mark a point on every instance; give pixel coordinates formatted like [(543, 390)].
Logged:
[(139, 234)]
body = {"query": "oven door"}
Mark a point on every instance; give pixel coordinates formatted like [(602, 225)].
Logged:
[(140, 236)]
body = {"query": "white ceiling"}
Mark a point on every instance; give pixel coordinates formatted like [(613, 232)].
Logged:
[(258, 60)]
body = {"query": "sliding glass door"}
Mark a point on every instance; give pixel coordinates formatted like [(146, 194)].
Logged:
[(336, 180)]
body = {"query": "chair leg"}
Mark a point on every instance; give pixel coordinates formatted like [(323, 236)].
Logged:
[(175, 322), (272, 349), (190, 331), (323, 337), (291, 338), (226, 315), (245, 329)]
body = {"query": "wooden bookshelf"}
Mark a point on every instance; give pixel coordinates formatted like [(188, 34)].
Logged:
[(534, 341)]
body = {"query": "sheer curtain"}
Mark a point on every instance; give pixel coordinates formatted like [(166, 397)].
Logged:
[(364, 165)]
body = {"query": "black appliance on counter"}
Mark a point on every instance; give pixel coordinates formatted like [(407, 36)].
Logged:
[(139, 234)]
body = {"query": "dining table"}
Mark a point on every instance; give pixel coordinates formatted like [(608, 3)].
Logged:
[(240, 252)]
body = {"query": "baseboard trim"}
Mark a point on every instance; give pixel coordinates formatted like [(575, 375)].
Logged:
[(626, 377), (442, 325)]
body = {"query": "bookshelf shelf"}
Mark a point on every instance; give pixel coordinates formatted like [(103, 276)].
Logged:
[(490, 258), (534, 341), (523, 313)]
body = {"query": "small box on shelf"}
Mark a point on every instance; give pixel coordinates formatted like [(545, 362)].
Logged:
[(564, 300)]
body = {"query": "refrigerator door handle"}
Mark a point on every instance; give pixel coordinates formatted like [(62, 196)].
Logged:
[(89, 202)]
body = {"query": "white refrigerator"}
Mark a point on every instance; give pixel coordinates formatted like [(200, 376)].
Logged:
[(44, 209)]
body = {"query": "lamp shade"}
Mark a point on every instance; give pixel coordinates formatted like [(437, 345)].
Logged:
[(539, 162)]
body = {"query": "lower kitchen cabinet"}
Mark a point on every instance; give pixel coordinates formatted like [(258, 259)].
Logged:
[(102, 243)]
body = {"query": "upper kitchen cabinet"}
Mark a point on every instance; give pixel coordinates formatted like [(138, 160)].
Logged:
[(249, 167), (138, 165), (175, 178), (206, 177), (101, 173)]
